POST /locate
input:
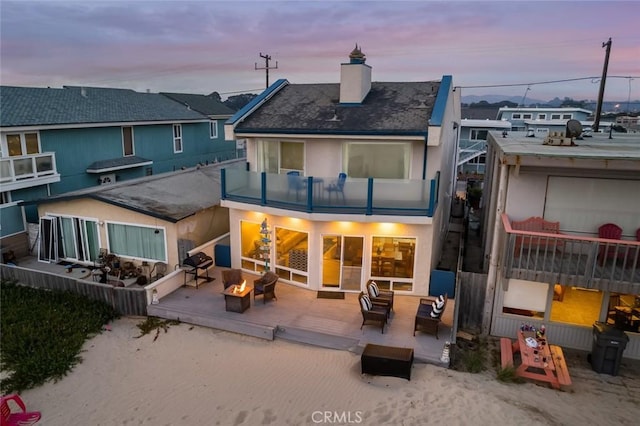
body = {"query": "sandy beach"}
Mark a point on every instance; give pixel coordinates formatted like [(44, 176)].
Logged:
[(198, 376)]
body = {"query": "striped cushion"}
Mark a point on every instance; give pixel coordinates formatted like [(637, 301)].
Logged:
[(437, 307), (366, 303), (373, 289)]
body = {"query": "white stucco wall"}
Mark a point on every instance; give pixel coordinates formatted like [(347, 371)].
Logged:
[(317, 230)]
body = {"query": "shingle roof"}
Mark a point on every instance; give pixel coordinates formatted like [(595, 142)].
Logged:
[(389, 108), (205, 104), (35, 106)]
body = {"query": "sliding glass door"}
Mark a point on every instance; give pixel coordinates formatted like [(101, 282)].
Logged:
[(68, 238), (342, 262)]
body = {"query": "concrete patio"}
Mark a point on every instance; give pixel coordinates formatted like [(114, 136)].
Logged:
[(299, 315)]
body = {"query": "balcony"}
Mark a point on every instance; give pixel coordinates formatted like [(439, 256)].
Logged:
[(395, 197), (28, 170), (596, 263)]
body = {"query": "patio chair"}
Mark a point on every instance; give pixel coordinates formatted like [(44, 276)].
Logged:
[(379, 296), (266, 286), (429, 314), (295, 183), (371, 312), (14, 412), (337, 186), (606, 251), (231, 277)]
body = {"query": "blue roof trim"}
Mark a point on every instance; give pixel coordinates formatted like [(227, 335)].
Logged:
[(336, 132), (255, 102), (441, 101)]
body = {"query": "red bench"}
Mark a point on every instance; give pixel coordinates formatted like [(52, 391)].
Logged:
[(506, 352), (536, 224)]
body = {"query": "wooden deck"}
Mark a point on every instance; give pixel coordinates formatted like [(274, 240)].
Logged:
[(298, 315)]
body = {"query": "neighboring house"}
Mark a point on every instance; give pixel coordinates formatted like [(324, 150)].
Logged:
[(56, 140), (542, 120), (210, 106), (150, 219), (385, 220), (472, 145), (566, 276)]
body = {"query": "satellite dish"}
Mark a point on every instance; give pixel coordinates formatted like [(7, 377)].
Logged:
[(574, 129)]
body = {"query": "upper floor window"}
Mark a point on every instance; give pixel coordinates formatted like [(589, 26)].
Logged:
[(527, 116), (21, 144), (127, 141), (213, 129), (281, 157), (516, 116), (542, 116), (377, 160), (177, 138), (478, 134), (567, 116), (555, 116)]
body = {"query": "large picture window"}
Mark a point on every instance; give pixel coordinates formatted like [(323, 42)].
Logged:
[(392, 258), (141, 242), (377, 160)]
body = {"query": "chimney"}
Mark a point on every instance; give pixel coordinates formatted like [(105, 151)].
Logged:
[(355, 78)]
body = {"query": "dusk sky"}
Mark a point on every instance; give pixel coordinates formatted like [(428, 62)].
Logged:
[(207, 46)]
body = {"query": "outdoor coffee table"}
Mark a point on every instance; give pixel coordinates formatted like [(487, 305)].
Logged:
[(237, 301), (387, 361)]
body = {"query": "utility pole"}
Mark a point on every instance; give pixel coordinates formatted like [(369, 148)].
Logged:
[(266, 67), (596, 123)]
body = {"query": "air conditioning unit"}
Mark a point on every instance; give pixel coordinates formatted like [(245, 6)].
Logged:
[(107, 179)]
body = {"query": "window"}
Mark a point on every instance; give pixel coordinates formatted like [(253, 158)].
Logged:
[(527, 298), (542, 116), (140, 242), (281, 157), (177, 138), (22, 144), (392, 259), (555, 116), (5, 197), (516, 116), (377, 160), (292, 248), (567, 116), (213, 129), (127, 141), (478, 134), (527, 116)]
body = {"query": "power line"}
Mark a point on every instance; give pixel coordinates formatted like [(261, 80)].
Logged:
[(545, 82)]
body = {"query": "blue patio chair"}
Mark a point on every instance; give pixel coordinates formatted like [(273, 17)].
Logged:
[(295, 183), (337, 186)]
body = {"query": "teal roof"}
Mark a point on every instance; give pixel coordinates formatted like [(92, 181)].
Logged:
[(206, 104), (36, 106)]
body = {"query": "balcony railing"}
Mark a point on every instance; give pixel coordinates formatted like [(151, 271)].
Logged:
[(587, 262), (396, 197), (24, 170)]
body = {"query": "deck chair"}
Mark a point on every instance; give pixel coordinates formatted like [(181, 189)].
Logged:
[(337, 186), (379, 296), (372, 312), (610, 231), (14, 412), (295, 183)]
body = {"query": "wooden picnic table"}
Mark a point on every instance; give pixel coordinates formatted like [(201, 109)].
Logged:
[(544, 362)]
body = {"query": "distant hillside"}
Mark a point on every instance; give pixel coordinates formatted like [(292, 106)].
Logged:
[(590, 104)]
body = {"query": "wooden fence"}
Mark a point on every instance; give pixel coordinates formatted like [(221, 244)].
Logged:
[(470, 297), (126, 301)]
